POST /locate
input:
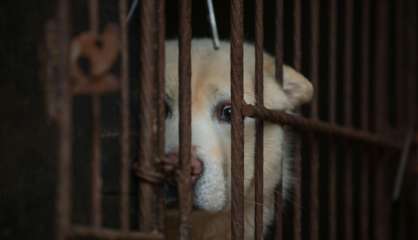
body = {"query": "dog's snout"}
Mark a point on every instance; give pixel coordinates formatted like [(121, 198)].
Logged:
[(171, 163)]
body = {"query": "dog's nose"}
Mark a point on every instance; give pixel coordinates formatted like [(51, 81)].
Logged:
[(171, 161)]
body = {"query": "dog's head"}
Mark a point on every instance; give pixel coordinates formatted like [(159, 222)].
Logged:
[(211, 115)]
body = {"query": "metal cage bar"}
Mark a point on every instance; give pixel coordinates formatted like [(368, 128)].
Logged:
[(64, 186), (364, 228), (259, 137), (147, 112), (278, 61), (184, 183), (380, 225), (348, 118), (237, 123), (96, 204), (125, 114), (314, 113), (332, 75), (297, 161), (161, 97)]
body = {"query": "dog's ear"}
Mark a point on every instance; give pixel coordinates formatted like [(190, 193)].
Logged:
[(297, 88)]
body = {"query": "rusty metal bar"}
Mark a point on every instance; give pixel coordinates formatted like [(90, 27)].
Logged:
[(348, 115), (332, 77), (161, 95), (108, 234), (297, 63), (364, 91), (237, 128), (184, 183), (312, 125), (147, 113), (279, 42), (96, 207), (279, 79), (400, 63), (125, 114), (381, 214), (314, 113), (259, 135), (96, 181), (412, 60), (64, 185)]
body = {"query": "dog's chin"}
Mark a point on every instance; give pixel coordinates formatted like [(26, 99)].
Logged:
[(210, 189)]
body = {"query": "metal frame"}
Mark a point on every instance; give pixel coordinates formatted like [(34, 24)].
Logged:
[(151, 148)]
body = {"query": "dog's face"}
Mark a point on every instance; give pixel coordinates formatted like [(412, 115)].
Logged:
[(211, 115)]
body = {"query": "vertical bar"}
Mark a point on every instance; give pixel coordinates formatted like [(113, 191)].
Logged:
[(412, 60), (279, 42), (365, 86), (64, 185), (347, 78), (259, 136), (380, 77), (96, 206), (161, 96), (332, 118), (124, 140), (297, 63), (147, 112), (279, 78), (237, 128), (184, 186), (400, 63), (314, 148)]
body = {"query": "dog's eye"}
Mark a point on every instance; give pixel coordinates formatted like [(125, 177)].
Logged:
[(168, 111), (224, 112)]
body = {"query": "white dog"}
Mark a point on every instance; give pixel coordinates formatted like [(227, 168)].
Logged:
[(211, 139)]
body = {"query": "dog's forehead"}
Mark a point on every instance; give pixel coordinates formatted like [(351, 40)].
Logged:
[(210, 76)]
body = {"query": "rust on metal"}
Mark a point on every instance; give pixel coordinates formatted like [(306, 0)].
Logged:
[(125, 113), (259, 135), (237, 122), (332, 99), (381, 207), (348, 98), (297, 161), (184, 181), (147, 112), (313, 142), (160, 153), (279, 42), (364, 227), (96, 181), (279, 78), (400, 63), (311, 125), (110, 234), (64, 185)]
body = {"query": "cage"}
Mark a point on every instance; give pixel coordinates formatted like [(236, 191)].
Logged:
[(101, 116)]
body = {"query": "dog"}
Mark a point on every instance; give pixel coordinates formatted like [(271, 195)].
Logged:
[(211, 138)]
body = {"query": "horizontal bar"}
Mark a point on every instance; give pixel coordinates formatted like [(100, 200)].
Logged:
[(306, 124), (109, 234), (99, 86)]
